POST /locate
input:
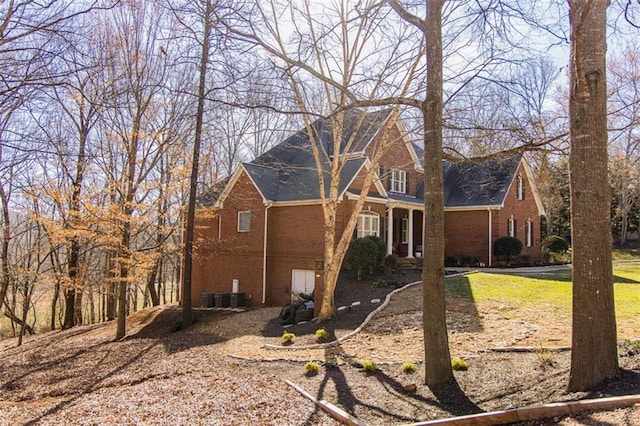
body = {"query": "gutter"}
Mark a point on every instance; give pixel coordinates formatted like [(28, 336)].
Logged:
[(264, 252), (490, 233)]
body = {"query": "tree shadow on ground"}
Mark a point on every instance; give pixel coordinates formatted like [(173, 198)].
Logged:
[(562, 276), (166, 329), (449, 397), (459, 288)]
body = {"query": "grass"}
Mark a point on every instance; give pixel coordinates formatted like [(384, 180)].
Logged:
[(553, 289)]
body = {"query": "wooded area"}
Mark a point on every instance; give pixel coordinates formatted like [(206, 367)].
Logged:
[(115, 115)]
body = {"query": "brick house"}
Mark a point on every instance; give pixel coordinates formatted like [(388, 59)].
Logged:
[(262, 228)]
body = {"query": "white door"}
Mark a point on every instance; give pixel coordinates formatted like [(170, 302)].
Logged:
[(302, 281)]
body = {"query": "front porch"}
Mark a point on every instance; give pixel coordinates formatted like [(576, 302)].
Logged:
[(404, 231)]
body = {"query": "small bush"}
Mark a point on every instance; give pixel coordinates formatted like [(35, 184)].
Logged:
[(507, 248), (451, 261), (459, 364), (322, 334), (391, 261), (555, 244), (408, 368), (362, 256), (311, 368), (545, 358), (382, 248), (369, 366), (380, 282), (287, 338), (469, 261)]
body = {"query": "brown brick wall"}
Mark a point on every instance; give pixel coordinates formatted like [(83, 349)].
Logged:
[(399, 159), (466, 234), (522, 210), (236, 255)]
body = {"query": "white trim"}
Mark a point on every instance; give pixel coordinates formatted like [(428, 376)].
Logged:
[(398, 181), (361, 230), (264, 254), (390, 230), (234, 179), (528, 233), (473, 208), (534, 188), (417, 165)]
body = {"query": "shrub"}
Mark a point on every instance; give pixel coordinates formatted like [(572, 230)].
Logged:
[(382, 248), (380, 282), (555, 244), (287, 338), (369, 366), (507, 247), (311, 368), (391, 261), (469, 261), (322, 334), (451, 261), (362, 255), (459, 364), (408, 368)]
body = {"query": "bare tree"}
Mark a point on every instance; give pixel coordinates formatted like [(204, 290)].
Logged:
[(624, 142), (326, 85)]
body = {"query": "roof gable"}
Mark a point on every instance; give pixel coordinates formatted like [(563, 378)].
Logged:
[(287, 172)]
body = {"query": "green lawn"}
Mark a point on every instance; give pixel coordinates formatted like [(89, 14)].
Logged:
[(549, 289)]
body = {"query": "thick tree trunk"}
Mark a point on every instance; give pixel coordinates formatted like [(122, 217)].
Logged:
[(594, 355), (436, 343)]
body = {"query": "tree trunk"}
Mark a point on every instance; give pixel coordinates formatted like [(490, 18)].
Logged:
[(151, 284), (6, 236), (54, 303), (594, 355), (187, 313), (436, 343)]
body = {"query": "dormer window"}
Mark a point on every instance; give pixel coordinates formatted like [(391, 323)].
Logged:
[(520, 188), (399, 181)]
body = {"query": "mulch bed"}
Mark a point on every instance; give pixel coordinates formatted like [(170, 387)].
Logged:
[(348, 291)]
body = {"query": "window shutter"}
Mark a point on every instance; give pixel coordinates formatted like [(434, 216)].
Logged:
[(406, 183), (381, 175)]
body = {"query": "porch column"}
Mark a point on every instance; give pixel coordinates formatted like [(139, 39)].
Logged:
[(410, 232), (390, 231)]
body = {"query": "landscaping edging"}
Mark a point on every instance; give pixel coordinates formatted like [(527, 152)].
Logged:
[(537, 412)]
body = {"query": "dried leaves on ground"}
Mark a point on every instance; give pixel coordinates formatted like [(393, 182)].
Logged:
[(155, 376)]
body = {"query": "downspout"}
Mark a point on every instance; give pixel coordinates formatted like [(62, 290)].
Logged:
[(490, 232), (264, 253)]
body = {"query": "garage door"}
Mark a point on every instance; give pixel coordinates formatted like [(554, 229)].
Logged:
[(302, 281)]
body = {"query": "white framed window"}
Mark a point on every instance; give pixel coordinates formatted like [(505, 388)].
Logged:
[(368, 224), (399, 181), (511, 227), (403, 230), (529, 234), (520, 188), (244, 221)]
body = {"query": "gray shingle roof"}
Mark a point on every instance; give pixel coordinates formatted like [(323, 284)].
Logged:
[(287, 172)]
